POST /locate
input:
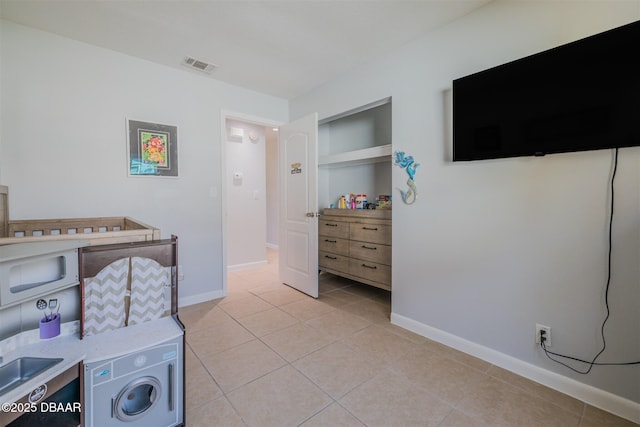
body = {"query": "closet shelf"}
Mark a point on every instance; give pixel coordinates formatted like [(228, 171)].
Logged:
[(381, 153)]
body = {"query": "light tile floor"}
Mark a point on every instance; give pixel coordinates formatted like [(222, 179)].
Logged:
[(268, 355)]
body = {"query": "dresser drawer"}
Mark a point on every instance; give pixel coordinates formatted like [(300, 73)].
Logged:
[(374, 233), (333, 261), (334, 245), (370, 252), (333, 229), (370, 270)]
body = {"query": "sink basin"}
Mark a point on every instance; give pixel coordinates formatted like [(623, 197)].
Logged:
[(21, 370)]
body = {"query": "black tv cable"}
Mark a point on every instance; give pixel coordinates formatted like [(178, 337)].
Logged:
[(593, 362)]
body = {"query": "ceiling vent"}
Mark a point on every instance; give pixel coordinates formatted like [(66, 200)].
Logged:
[(198, 65)]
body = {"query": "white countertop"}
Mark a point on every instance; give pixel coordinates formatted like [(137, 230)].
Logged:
[(73, 350), (130, 339)]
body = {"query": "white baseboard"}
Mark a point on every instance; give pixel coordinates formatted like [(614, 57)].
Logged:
[(204, 297), (602, 399), (247, 266)]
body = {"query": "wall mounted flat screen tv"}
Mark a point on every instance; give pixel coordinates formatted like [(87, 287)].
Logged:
[(581, 96)]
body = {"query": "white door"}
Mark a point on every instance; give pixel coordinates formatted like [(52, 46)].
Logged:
[(298, 245)]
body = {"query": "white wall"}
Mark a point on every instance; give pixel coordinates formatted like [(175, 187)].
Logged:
[(273, 196), (246, 197), (63, 142), (493, 247)]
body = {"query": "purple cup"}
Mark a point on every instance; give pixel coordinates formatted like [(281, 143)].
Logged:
[(50, 326)]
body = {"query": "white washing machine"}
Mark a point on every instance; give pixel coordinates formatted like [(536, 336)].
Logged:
[(143, 388)]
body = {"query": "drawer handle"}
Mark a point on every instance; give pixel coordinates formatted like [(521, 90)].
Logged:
[(373, 267), (369, 228), (330, 241), (367, 247), (330, 257), (330, 225)]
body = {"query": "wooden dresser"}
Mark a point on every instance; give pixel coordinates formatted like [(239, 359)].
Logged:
[(356, 244)]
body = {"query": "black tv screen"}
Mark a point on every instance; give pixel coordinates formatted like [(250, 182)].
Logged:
[(581, 96)]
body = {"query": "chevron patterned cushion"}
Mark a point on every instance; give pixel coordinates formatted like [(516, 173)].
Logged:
[(148, 279), (104, 308)]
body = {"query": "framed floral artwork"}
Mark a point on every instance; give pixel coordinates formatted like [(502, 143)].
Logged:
[(153, 149)]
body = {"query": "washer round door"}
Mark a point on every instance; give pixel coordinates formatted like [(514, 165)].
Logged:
[(137, 398)]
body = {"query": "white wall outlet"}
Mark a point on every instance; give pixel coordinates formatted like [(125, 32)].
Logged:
[(547, 334)]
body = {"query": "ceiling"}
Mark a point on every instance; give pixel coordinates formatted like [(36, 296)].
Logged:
[(282, 48)]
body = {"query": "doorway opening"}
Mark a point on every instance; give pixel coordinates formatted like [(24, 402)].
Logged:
[(250, 192)]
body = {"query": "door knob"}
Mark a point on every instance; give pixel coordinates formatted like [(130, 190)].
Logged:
[(312, 214)]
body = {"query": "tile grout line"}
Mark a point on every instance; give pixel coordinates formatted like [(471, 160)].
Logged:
[(291, 363)]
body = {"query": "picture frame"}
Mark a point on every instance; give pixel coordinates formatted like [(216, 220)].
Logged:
[(152, 149)]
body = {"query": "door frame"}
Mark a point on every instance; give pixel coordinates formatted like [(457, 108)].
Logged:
[(233, 115)]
